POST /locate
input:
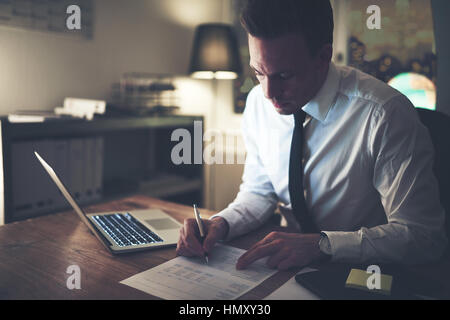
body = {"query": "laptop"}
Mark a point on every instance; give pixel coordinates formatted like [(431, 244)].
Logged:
[(123, 232)]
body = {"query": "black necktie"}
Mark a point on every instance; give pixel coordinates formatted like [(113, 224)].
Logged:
[(296, 176)]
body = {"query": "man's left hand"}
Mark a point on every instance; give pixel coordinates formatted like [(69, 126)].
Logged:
[(285, 250)]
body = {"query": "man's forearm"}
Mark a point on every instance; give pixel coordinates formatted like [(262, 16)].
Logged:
[(387, 243), (247, 212)]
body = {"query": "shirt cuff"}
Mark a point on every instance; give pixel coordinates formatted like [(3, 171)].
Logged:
[(345, 246), (248, 213), (232, 221)]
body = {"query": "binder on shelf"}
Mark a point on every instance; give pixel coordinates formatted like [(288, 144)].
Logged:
[(98, 168), (22, 197), (76, 169), (78, 163), (44, 191), (61, 167), (89, 169)]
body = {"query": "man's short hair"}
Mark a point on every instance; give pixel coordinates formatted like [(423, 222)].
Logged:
[(268, 19)]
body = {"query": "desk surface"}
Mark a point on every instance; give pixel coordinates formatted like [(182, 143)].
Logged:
[(35, 255)]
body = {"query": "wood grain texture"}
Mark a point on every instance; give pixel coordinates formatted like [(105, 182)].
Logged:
[(35, 254)]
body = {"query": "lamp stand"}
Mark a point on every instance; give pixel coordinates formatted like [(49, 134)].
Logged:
[(213, 168)]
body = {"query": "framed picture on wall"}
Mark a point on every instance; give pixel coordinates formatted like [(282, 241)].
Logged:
[(247, 79), (67, 17)]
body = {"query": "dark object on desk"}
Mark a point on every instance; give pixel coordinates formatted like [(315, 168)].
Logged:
[(329, 284)]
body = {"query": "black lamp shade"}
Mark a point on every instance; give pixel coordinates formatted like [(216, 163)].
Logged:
[(215, 51)]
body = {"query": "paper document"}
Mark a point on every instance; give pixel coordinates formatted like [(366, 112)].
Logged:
[(192, 279)]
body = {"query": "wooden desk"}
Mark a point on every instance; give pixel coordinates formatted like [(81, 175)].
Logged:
[(35, 254)]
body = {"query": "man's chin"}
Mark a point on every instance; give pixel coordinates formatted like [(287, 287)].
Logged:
[(288, 110)]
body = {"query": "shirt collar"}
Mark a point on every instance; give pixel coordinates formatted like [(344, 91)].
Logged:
[(319, 106)]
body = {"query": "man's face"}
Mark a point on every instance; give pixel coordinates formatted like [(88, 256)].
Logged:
[(290, 77)]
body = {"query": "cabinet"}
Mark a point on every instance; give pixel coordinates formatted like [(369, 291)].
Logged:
[(136, 158)]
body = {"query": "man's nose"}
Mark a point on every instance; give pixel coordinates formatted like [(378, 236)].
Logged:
[(271, 88)]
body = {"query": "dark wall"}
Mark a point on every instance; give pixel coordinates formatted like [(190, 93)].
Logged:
[(441, 14)]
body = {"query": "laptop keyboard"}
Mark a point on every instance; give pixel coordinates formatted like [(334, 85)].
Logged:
[(125, 230)]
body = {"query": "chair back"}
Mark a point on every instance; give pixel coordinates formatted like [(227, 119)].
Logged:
[(438, 125)]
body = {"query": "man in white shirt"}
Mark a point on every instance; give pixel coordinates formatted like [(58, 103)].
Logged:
[(367, 160)]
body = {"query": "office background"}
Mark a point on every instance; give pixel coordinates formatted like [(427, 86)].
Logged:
[(39, 69)]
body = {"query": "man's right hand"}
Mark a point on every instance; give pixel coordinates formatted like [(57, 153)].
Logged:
[(190, 244)]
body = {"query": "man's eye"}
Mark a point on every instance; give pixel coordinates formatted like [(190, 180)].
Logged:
[(257, 74)]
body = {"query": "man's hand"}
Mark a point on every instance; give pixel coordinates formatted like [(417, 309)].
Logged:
[(189, 243), (285, 250)]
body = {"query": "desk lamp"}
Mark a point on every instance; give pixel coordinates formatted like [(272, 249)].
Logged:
[(215, 56)]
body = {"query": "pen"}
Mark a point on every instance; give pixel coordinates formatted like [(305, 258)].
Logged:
[(200, 227)]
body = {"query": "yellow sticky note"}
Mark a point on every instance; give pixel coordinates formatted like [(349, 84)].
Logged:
[(357, 279)]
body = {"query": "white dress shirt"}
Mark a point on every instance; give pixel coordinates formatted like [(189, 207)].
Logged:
[(367, 161)]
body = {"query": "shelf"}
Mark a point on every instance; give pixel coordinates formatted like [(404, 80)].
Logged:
[(134, 149), (96, 126)]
